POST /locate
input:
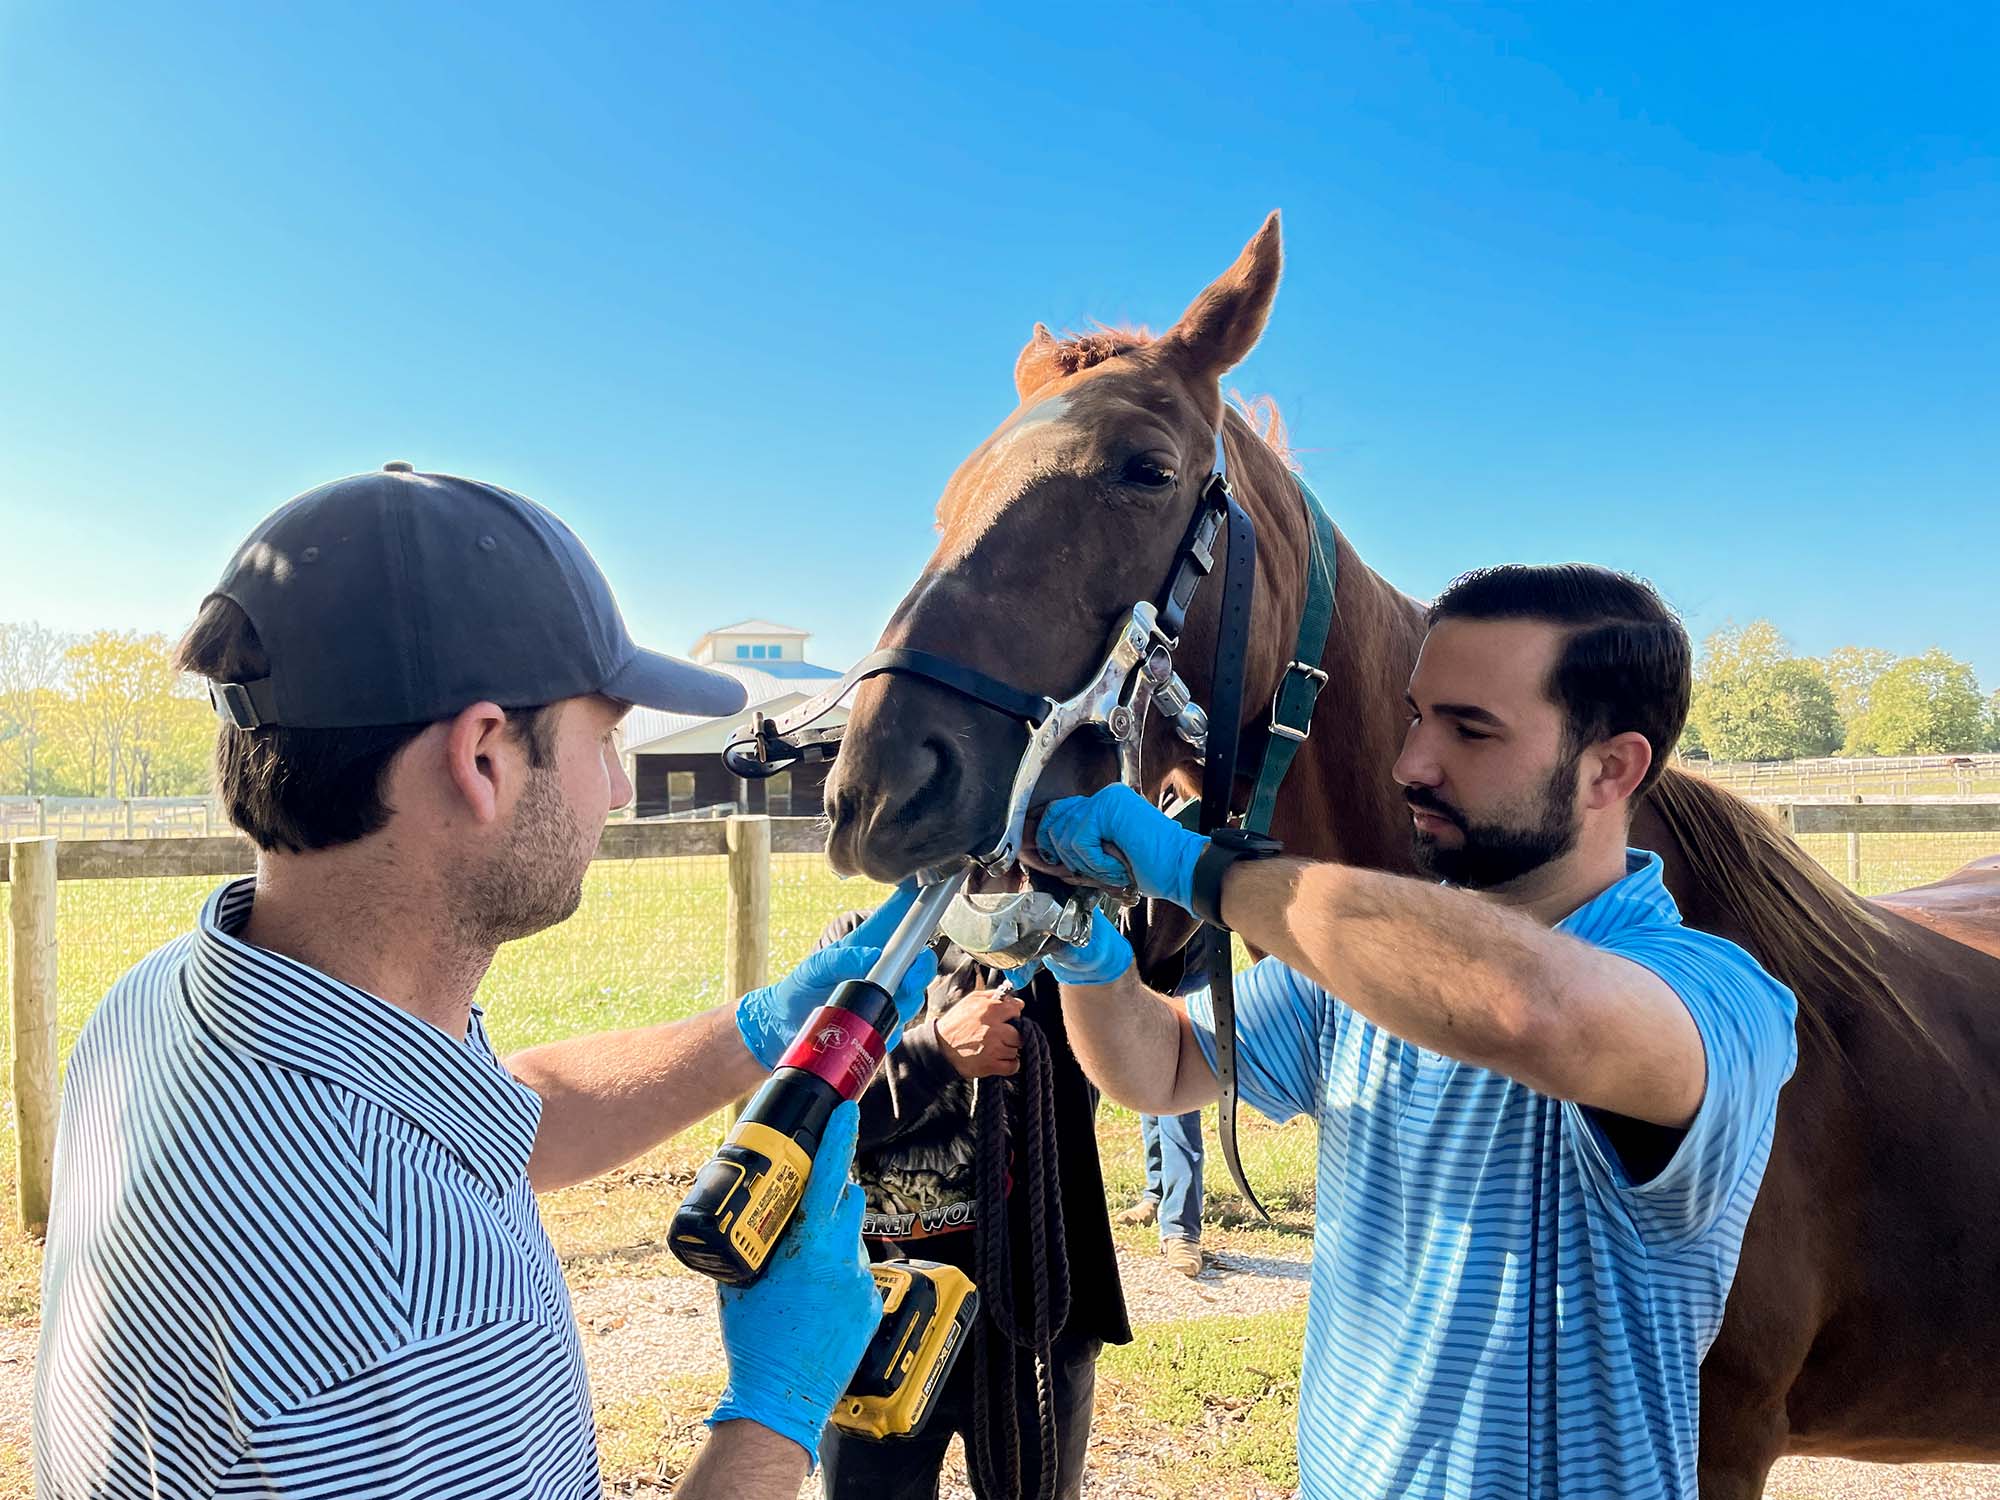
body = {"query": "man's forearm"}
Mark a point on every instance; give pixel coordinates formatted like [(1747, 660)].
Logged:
[(1137, 1045), (742, 1461), (608, 1097), (1435, 966)]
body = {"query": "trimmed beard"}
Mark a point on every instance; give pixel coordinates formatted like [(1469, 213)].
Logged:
[(1498, 853), (535, 879)]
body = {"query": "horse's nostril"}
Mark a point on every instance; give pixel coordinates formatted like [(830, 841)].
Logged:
[(927, 783)]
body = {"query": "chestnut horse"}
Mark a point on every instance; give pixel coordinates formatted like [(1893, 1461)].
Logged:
[(1865, 1316)]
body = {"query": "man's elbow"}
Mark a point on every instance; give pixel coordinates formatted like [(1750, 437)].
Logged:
[(1521, 1029), (1145, 1094)]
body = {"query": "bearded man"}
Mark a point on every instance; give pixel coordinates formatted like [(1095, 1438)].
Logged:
[(1544, 1105)]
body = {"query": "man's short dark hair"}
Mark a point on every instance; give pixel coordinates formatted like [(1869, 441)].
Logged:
[(302, 789), (1625, 664)]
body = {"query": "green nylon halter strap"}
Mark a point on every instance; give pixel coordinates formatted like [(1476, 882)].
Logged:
[(1299, 688), (1298, 691)]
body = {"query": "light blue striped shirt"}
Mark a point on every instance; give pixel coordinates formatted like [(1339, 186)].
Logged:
[(294, 1251), (1498, 1309)]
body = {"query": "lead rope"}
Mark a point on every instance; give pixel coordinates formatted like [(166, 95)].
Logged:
[(1048, 1263)]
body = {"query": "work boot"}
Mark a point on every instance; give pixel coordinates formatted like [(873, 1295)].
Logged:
[(1145, 1211), (1183, 1256)]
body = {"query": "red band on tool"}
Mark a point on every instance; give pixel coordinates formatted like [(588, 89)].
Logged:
[(838, 1046)]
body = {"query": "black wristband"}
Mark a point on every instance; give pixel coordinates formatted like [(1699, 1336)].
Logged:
[(1225, 847)]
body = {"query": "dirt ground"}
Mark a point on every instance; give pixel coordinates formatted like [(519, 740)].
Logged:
[(641, 1332)]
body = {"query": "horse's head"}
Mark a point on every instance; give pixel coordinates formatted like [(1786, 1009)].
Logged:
[(1049, 532)]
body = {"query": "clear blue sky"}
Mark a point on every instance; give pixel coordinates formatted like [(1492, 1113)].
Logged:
[(1710, 295)]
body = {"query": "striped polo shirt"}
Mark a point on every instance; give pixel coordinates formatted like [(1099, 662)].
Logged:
[(294, 1251), (1498, 1309)]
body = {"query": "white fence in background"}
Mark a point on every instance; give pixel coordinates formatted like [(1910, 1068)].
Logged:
[(110, 817)]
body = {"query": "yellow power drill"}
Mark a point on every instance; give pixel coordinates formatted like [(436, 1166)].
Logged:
[(730, 1220)]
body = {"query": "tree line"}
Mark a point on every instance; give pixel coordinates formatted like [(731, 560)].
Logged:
[(106, 715), (99, 715), (1755, 699)]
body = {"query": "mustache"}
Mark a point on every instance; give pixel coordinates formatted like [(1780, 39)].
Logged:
[(1426, 800)]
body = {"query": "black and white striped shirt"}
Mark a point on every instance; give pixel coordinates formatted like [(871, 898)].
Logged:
[(294, 1251)]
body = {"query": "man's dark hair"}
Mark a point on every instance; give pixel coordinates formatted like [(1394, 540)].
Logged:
[(301, 789), (1625, 663)]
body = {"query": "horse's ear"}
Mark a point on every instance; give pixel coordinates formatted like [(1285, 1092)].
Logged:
[(1037, 365), (1223, 324)]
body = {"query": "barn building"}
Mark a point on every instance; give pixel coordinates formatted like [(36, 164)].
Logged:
[(675, 760)]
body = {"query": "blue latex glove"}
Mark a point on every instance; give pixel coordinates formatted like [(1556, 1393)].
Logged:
[(1115, 837), (794, 1337), (1103, 955), (769, 1018)]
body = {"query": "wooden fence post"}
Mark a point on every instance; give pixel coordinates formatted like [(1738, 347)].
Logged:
[(1854, 855), (31, 942), (41, 817), (747, 917)]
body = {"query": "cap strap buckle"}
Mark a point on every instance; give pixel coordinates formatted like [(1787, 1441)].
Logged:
[(243, 705)]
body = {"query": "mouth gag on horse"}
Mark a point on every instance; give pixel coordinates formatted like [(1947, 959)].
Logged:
[(1136, 677)]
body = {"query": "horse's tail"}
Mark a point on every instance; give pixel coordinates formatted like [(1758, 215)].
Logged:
[(1806, 928)]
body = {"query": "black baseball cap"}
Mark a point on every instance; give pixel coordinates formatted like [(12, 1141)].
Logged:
[(400, 598)]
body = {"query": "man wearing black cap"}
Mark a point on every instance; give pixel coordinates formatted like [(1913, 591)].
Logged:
[(294, 1247)]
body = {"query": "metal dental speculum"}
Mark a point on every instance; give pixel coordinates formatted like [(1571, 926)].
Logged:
[(1009, 928), (1137, 673)]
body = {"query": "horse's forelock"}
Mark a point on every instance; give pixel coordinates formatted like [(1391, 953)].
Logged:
[(1077, 352)]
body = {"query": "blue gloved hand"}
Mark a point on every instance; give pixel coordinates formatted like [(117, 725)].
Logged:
[(769, 1018), (1103, 955), (794, 1337), (1115, 837)]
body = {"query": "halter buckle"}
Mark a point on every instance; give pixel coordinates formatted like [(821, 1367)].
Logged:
[(1310, 672)]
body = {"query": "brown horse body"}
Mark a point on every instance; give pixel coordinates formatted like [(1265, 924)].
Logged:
[(1863, 1319)]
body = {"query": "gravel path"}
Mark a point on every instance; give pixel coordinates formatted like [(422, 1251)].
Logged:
[(639, 1332)]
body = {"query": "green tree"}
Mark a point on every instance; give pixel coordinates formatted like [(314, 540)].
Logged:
[(120, 713), (1993, 721), (31, 673), (1755, 700), (176, 743), (1922, 705), (1851, 671)]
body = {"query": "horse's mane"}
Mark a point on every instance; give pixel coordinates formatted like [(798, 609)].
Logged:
[(1076, 352), (1806, 928)]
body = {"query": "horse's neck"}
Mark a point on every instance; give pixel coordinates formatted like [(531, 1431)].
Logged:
[(1344, 804), (1650, 831), (1339, 800)]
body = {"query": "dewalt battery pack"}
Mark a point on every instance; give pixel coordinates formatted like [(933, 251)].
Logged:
[(927, 1312)]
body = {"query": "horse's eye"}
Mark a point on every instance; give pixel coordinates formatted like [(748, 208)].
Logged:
[(1146, 472)]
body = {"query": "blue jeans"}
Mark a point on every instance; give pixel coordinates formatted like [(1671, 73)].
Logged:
[(1173, 1172)]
